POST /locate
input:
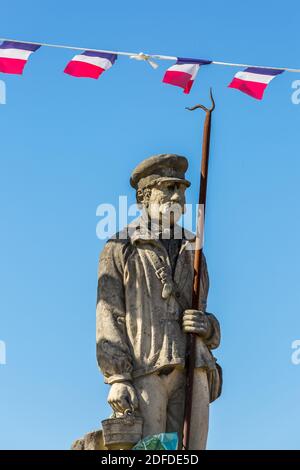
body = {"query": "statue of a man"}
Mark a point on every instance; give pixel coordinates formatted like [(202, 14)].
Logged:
[(144, 309)]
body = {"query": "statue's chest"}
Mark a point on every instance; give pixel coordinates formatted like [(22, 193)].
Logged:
[(150, 270)]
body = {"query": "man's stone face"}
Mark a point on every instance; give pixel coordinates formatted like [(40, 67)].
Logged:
[(166, 203)]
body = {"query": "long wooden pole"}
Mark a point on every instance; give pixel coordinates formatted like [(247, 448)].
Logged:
[(191, 343)]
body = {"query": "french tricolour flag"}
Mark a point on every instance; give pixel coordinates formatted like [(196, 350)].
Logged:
[(14, 56), (184, 72), (90, 64), (253, 81)]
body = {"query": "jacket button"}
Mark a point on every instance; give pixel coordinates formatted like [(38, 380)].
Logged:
[(177, 295)]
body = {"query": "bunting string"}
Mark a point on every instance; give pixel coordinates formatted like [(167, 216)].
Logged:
[(91, 63), (151, 56)]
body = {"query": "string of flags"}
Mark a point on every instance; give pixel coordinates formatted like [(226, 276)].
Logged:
[(91, 63)]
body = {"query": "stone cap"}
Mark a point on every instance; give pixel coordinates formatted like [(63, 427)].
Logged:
[(159, 168)]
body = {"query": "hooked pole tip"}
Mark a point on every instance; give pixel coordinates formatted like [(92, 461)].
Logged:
[(201, 106)]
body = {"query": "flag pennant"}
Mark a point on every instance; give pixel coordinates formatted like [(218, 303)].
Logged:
[(254, 80), (14, 56), (90, 64), (184, 72)]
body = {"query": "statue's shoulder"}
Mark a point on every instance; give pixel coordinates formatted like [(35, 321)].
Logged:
[(117, 247), (191, 237), (188, 235)]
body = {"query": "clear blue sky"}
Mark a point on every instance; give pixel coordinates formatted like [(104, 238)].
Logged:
[(69, 144)]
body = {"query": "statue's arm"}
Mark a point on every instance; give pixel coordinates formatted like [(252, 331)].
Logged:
[(213, 341), (113, 354)]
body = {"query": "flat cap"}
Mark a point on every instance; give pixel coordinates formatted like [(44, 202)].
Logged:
[(159, 168)]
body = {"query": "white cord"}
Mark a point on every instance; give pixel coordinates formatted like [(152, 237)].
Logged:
[(149, 56)]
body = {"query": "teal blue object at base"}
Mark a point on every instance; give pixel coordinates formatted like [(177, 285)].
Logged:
[(163, 441)]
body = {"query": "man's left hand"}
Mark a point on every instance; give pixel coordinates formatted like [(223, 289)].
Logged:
[(195, 321)]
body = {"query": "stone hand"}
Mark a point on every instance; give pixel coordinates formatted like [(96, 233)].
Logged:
[(122, 397), (195, 321)]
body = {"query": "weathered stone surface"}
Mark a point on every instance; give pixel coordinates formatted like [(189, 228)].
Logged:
[(122, 432), (144, 310), (90, 441)]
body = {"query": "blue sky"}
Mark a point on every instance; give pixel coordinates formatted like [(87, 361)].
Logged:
[(68, 145)]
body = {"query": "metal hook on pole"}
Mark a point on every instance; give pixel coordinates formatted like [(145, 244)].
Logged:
[(207, 110)]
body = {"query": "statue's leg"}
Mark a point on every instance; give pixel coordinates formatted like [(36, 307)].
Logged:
[(175, 409), (152, 396), (200, 411)]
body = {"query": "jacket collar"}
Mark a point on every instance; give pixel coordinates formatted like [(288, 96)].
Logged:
[(140, 232)]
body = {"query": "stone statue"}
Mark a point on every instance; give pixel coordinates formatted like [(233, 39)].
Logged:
[(143, 309)]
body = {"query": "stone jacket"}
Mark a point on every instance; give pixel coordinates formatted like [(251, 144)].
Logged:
[(140, 305)]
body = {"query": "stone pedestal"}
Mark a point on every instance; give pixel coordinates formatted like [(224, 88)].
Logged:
[(91, 441)]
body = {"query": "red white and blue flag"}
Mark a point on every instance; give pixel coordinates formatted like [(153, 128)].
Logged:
[(253, 81), (90, 64), (184, 72), (14, 56)]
